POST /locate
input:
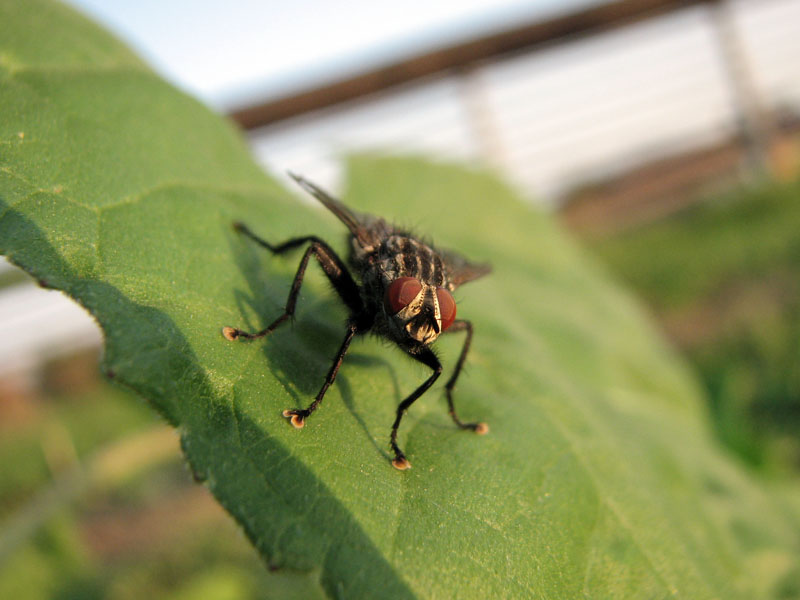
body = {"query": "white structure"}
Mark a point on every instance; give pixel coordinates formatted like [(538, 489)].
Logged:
[(554, 117)]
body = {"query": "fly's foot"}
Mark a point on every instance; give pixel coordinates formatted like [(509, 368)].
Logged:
[(479, 428), (231, 333), (297, 417), (401, 463)]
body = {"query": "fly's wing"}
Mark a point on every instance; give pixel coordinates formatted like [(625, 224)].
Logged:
[(371, 231), (361, 226), (460, 270), (345, 215)]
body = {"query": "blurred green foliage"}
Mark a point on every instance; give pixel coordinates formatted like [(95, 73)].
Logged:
[(724, 278), (111, 542)]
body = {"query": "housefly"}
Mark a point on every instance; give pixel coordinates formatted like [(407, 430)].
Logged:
[(394, 285)]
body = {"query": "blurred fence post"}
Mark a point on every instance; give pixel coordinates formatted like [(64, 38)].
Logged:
[(754, 122), (479, 115)]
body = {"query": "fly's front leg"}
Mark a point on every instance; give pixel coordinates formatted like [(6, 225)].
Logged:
[(298, 416), (426, 357), (342, 282), (461, 325), (331, 264)]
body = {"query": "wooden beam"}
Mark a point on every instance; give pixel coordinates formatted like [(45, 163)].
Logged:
[(588, 21)]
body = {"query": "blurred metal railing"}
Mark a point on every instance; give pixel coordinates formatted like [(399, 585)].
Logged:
[(558, 102), (462, 56)]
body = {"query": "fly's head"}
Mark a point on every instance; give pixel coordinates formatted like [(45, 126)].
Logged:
[(417, 310)]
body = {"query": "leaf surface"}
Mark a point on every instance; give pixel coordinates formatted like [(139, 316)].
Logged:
[(599, 477)]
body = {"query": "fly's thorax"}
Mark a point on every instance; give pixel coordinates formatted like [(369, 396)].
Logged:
[(405, 256)]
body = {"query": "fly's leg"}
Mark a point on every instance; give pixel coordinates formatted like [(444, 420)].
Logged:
[(426, 357), (479, 428), (298, 416), (331, 264), (342, 282)]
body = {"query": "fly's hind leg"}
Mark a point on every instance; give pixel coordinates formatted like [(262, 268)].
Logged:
[(342, 282)]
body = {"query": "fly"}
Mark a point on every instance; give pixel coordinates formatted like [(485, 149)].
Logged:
[(402, 291)]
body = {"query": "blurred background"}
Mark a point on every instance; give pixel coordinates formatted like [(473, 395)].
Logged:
[(664, 134)]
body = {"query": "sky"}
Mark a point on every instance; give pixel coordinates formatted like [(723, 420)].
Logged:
[(233, 53)]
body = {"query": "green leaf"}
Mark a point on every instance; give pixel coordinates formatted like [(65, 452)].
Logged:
[(599, 477)]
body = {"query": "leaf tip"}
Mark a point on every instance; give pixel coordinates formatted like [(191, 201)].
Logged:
[(198, 476)]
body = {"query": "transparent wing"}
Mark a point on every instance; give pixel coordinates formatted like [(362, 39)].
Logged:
[(350, 218), (460, 270), (365, 228)]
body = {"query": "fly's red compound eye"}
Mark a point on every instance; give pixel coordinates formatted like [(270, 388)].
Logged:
[(447, 307), (401, 293)]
